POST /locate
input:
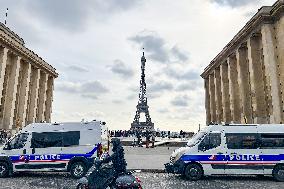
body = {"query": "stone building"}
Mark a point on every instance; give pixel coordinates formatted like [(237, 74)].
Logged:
[(244, 83), (26, 83)]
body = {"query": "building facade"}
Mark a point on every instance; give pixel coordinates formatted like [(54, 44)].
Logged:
[(244, 83), (26, 83)]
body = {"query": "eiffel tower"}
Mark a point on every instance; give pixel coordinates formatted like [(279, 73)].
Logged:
[(142, 106)]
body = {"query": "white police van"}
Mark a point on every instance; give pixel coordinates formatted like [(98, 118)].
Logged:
[(54, 147), (232, 149)]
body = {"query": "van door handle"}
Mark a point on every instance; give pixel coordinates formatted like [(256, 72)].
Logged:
[(219, 153), (24, 151), (33, 151), (234, 153)]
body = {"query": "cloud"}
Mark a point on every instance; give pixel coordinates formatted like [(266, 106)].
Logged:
[(77, 68), (250, 14), (78, 116), (89, 89), (154, 90), (157, 89), (234, 3), (181, 74), (152, 44), (67, 14), (163, 110), (105, 6), (189, 86), (132, 96), (180, 101), (119, 67), (182, 56), (160, 86), (73, 15), (90, 95), (156, 48), (117, 101)]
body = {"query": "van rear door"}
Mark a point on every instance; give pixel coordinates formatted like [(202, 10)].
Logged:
[(243, 153)]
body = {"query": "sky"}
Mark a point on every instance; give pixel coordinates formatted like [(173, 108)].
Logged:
[(96, 46)]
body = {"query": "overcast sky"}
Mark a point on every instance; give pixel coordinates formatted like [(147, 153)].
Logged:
[(96, 46)]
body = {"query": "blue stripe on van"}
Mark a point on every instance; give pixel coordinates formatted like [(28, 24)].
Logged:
[(238, 157), (55, 157)]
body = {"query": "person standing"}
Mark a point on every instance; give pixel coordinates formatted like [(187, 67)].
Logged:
[(153, 140), (147, 139)]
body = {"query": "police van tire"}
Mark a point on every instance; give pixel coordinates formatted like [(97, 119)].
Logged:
[(4, 169), (78, 169), (193, 172), (278, 172)]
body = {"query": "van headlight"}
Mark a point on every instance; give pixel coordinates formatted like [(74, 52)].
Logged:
[(175, 157)]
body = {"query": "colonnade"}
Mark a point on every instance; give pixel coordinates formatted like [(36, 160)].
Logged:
[(26, 91), (246, 85)]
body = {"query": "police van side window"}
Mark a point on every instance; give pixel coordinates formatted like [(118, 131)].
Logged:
[(242, 141), (71, 138), (55, 139), (210, 141), (46, 139), (272, 140)]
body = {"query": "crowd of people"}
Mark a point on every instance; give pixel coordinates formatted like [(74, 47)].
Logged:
[(148, 137), (163, 134), (122, 133)]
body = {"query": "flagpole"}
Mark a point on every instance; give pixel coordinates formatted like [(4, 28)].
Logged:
[(6, 16)]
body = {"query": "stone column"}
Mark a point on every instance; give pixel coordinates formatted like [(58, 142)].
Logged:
[(10, 96), (272, 73), (41, 97), (24, 86), (3, 63), (244, 84), (49, 99), (212, 98), (279, 32), (257, 80), (207, 101), (225, 92), (33, 95), (234, 89), (218, 95)]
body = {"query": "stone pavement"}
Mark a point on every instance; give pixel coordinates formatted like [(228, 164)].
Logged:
[(149, 181), (147, 158)]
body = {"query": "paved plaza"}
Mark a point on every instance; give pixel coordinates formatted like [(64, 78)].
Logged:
[(149, 181), (147, 158)]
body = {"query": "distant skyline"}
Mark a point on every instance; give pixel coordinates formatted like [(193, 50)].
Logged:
[(96, 48)]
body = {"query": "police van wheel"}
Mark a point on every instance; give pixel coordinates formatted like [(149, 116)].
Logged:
[(278, 173), (78, 170), (4, 169), (193, 172)]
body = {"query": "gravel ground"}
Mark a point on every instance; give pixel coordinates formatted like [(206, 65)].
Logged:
[(149, 181)]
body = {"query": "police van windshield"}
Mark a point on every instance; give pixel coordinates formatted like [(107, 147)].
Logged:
[(195, 139), (17, 142)]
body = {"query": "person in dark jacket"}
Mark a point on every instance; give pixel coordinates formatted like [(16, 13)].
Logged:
[(117, 158), (99, 177)]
